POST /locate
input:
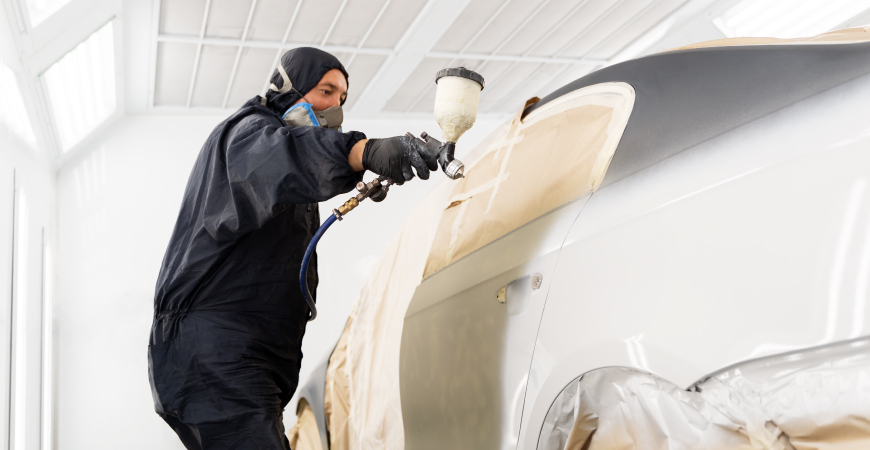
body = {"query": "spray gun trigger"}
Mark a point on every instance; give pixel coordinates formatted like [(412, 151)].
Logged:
[(433, 145)]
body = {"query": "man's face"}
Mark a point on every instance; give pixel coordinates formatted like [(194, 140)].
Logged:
[(329, 92)]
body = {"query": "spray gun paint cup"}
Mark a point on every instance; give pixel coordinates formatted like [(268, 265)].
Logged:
[(456, 100)]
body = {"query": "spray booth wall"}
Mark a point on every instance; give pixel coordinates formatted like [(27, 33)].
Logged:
[(117, 204), (26, 215)]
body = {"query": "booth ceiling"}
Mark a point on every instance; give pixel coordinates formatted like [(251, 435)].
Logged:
[(219, 53), (69, 67)]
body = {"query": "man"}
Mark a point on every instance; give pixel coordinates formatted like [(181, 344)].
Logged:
[(229, 316)]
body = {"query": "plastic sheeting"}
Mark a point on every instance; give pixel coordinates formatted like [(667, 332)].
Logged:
[(845, 36), (813, 399), (374, 332), (305, 435)]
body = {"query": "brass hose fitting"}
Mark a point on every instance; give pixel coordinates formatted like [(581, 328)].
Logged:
[(347, 207)]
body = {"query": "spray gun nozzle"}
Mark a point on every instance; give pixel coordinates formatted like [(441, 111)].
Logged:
[(451, 166)]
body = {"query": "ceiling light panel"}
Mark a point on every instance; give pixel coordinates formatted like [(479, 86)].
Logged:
[(212, 75), (422, 78), (395, 22), (270, 20), (181, 17), (353, 22), (530, 87), (514, 14), (226, 18), (40, 10), (174, 68), (425, 99), (251, 74), (81, 87), (491, 70), (562, 78), (497, 88), (361, 72), (541, 26), (467, 24), (602, 29), (13, 115), (630, 32), (584, 21), (786, 18), (315, 16)]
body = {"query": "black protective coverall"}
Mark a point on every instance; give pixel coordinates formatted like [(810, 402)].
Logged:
[(225, 346)]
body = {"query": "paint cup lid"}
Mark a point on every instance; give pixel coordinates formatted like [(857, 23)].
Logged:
[(460, 72)]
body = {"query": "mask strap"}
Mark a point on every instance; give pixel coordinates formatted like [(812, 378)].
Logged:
[(287, 84), (286, 87)]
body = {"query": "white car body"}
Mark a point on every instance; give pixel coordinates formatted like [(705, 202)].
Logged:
[(733, 229)]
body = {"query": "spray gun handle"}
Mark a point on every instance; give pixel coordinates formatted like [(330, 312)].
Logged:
[(432, 144)]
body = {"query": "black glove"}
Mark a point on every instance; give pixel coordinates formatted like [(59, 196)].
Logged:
[(393, 158)]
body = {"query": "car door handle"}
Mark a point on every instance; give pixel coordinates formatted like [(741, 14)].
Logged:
[(517, 294)]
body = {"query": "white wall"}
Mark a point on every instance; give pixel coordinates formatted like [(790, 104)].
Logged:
[(117, 204)]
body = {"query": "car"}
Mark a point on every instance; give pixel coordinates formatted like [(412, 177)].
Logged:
[(670, 251)]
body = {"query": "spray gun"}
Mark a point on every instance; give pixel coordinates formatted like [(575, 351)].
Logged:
[(457, 96)]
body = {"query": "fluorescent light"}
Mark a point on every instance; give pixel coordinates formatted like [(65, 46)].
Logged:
[(19, 361), (787, 18), (81, 87), (12, 111), (41, 9)]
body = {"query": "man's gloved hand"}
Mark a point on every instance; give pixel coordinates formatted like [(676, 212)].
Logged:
[(393, 158)]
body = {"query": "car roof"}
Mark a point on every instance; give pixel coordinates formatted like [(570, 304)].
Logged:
[(686, 97)]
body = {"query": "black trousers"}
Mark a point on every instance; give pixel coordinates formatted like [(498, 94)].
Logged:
[(253, 431), (222, 380)]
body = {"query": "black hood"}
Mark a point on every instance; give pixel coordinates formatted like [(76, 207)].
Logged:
[(305, 66)]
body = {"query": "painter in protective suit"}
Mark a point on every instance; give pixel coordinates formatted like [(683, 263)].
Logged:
[(229, 316)]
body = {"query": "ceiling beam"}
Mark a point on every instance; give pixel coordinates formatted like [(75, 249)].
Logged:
[(535, 45), (426, 29), (571, 42), (687, 9), (268, 44), (239, 54), (368, 32), (283, 42), (198, 52), (334, 20), (457, 56)]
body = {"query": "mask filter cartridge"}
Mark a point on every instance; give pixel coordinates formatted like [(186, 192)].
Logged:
[(303, 115)]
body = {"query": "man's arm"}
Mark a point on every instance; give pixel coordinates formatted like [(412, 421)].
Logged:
[(355, 157)]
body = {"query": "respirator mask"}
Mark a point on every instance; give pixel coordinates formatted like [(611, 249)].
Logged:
[(303, 114)]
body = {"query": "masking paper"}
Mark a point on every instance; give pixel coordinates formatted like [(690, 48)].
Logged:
[(304, 435), (522, 174), (845, 36), (555, 154)]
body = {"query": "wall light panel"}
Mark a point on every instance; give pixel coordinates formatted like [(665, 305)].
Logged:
[(12, 111), (81, 87)]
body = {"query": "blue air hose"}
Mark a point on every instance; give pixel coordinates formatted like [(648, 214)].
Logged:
[(303, 273)]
